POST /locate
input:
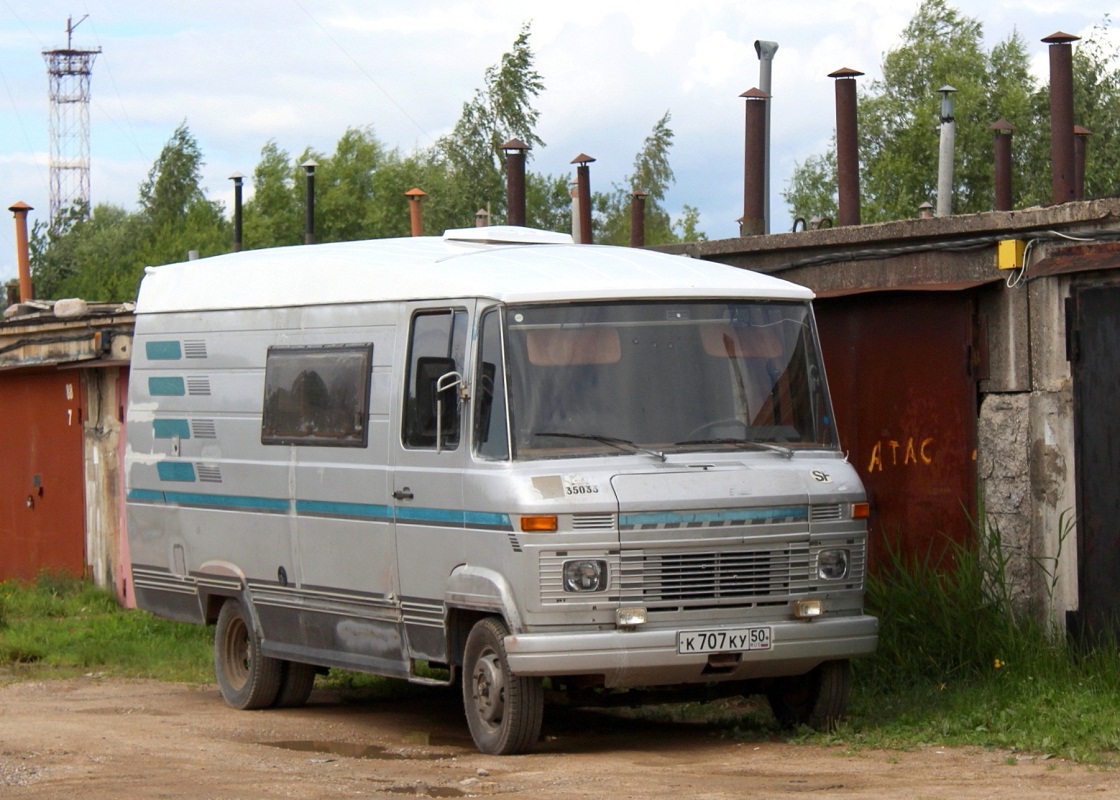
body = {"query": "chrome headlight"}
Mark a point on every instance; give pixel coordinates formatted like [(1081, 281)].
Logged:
[(585, 575), (832, 565)]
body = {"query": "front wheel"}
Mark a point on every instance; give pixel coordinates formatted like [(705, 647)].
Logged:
[(504, 711), (246, 678), (817, 699)]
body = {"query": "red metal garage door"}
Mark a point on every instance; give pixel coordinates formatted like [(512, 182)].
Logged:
[(42, 505), (905, 402)]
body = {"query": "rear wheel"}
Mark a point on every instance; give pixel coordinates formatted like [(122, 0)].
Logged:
[(817, 699), (296, 682), (504, 711), (246, 678)]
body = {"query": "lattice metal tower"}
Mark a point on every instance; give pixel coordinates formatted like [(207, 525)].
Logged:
[(69, 72)]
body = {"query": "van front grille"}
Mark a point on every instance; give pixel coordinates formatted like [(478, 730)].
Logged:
[(653, 577)]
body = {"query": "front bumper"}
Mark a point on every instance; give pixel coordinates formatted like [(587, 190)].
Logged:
[(646, 657)]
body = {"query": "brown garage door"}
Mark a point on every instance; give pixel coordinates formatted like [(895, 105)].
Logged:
[(42, 506)]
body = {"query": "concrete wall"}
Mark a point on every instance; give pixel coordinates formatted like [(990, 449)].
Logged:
[(103, 431), (1026, 443)]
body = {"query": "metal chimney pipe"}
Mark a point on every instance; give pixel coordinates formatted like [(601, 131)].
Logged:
[(638, 218), (516, 152), (766, 51), (945, 154), (1061, 116), (1003, 131), (237, 179), (847, 146), (309, 215), (573, 193), (415, 218), (753, 221), (583, 186), (1080, 146), (23, 260)]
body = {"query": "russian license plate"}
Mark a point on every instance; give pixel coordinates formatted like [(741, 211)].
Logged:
[(724, 640)]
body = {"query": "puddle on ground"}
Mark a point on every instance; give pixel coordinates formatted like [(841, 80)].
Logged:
[(429, 739), (426, 791), (353, 750)]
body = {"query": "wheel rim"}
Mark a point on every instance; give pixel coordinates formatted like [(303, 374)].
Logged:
[(236, 653), (488, 682)]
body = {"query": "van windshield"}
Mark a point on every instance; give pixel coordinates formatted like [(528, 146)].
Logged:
[(658, 377)]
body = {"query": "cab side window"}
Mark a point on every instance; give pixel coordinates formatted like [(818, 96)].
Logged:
[(436, 346), (491, 436)]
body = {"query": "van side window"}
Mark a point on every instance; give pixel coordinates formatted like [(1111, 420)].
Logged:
[(491, 437), (436, 347), (317, 395)]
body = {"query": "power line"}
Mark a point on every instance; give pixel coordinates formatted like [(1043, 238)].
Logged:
[(363, 70)]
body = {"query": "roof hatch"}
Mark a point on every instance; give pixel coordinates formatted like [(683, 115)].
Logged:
[(506, 234)]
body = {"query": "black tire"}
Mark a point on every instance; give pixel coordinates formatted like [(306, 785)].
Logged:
[(504, 712), (818, 699), (246, 678), (296, 682)]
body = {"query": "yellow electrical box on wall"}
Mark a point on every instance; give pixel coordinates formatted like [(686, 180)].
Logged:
[(1009, 253)]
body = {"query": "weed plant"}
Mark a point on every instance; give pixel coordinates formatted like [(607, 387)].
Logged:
[(959, 664)]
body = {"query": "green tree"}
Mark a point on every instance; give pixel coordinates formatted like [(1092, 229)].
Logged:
[(501, 111), (175, 215), (653, 175), (102, 257), (899, 118), (1096, 100), (273, 217)]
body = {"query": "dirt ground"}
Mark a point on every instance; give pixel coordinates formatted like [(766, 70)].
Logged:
[(92, 737)]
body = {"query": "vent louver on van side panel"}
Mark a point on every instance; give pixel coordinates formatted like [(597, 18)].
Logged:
[(198, 387), (194, 348), (204, 429), (209, 473)]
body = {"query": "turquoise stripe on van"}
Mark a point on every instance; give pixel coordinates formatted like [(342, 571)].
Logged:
[(170, 428), (241, 502), (163, 351), (728, 515), (323, 508), (448, 516), (329, 508), (182, 471), (167, 387)]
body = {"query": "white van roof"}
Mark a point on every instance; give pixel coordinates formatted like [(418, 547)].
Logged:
[(514, 265)]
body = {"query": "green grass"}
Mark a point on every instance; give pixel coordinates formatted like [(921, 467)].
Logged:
[(59, 626), (960, 663)]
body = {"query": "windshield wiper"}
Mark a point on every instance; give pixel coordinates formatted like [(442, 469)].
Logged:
[(744, 443), (622, 444)]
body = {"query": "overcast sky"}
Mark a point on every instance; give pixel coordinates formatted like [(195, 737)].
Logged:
[(300, 72)]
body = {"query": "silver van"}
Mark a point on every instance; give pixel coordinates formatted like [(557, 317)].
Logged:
[(499, 459)]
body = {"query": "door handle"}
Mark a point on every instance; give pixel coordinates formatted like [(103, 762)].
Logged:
[(403, 494)]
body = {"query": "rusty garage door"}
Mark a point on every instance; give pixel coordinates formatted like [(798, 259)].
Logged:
[(899, 365), (42, 505)]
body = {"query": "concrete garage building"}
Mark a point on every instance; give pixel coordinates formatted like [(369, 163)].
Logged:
[(63, 384), (975, 368)]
